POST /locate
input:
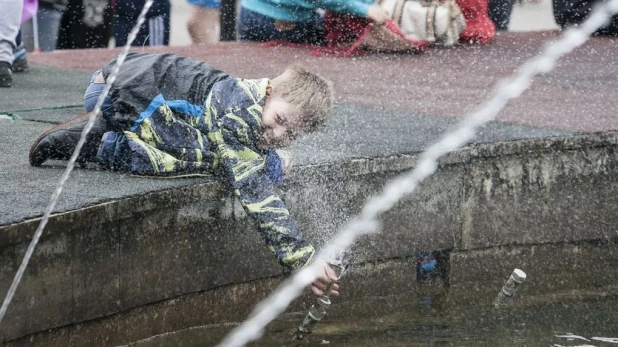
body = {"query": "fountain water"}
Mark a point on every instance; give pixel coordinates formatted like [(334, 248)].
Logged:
[(405, 184)]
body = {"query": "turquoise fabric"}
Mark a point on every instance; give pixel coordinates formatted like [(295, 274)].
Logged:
[(301, 10)]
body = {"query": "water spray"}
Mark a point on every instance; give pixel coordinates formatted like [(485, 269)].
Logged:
[(317, 311)]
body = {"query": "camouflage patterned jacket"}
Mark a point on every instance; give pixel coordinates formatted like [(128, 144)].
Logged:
[(220, 138)]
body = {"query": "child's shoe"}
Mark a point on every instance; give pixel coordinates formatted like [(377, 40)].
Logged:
[(59, 142), (6, 76), (20, 63)]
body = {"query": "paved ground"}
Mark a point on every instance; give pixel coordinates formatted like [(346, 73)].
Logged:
[(385, 105)]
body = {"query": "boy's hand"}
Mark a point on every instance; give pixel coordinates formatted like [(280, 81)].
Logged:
[(325, 275), (377, 14)]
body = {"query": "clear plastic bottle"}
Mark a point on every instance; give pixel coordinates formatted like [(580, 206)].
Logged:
[(505, 296), (317, 311)]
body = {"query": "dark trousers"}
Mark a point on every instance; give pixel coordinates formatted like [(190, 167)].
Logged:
[(573, 12), (154, 32), (500, 13), (256, 27), (74, 33)]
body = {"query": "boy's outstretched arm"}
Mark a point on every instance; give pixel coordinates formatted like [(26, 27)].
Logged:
[(244, 169)]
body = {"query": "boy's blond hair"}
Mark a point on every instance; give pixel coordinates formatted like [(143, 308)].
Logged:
[(310, 93)]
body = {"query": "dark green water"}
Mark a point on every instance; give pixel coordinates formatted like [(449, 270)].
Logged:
[(433, 320)]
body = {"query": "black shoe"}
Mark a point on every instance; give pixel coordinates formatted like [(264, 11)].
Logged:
[(6, 76), (59, 142)]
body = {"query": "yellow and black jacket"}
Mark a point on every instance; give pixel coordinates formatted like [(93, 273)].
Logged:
[(163, 127)]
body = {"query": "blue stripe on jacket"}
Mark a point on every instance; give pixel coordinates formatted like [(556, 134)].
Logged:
[(185, 107), (152, 107)]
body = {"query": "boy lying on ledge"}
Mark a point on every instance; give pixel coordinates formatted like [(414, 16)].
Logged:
[(168, 115)]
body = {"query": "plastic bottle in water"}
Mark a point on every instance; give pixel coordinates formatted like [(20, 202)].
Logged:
[(505, 297)]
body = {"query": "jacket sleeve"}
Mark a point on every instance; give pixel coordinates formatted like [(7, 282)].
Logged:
[(354, 7), (245, 170)]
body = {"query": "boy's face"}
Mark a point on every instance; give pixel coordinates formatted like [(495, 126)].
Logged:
[(281, 123)]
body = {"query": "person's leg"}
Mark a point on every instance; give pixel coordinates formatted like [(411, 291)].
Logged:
[(20, 61), (256, 27), (122, 27), (74, 33), (203, 23), (158, 31), (93, 91), (500, 13), (611, 29), (154, 32), (59, 142), (573, 12), (49, 24), (253, 26), (10, 20), (310, 32)]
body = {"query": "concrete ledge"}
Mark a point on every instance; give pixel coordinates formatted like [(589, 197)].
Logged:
[(138, 256)]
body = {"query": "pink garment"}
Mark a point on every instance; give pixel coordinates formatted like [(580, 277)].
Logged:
[(30, 9)]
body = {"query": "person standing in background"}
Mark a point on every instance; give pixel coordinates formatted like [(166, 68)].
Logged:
[(204, 23), (154, 32), (10, 19)]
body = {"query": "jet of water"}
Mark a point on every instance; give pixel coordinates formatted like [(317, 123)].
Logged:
[(71, 164), (366, 222)]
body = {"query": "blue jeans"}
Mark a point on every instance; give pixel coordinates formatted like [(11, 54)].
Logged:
[(48, 21), (92, 94), (253, 26)]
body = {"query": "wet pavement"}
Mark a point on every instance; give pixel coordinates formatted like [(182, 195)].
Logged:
[(386, 105)]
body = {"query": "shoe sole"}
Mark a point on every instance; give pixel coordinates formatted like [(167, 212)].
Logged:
[(61, 126)]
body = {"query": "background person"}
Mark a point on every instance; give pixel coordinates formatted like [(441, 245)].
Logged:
[(10, 20)]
